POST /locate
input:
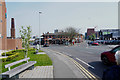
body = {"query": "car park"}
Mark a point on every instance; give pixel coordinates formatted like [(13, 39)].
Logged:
[(108, 57)]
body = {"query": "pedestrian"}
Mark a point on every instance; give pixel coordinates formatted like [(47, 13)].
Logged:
[(17, 48), (113, 73)]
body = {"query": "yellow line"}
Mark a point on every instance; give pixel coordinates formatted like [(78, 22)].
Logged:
[(79, 66), (82, 68), (87, 72), (89, 76)]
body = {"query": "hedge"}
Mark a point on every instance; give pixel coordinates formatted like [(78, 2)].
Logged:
[(12, 57), (12, 52), (8, 53), (4, 59), (32, 49)]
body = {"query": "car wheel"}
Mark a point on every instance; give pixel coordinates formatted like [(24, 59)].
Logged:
[(105, 60)]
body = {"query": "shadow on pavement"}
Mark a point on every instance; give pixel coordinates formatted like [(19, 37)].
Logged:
[(99, 68)]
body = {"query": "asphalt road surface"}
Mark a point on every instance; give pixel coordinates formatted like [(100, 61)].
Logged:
[(87, 56)]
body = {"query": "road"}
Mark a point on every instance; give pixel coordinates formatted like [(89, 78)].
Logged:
[(87, 56)]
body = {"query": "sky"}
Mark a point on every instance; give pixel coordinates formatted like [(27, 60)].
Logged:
[(59, 15)]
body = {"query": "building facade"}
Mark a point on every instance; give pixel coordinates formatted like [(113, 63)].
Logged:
[(90, 31), (60, 38), (105, 34), (7, 43), (3, 36), (110, 34)]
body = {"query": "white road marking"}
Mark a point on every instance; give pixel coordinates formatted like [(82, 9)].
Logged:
[(85, 63)]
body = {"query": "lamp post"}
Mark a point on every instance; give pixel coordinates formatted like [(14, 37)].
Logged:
[(39, 29)]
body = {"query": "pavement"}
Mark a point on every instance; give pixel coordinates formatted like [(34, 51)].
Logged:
[(66, 67), (87, 56), (41, 53), (63, 67), (38, 72)]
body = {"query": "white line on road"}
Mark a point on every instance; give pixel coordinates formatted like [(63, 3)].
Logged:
[(85, 63)]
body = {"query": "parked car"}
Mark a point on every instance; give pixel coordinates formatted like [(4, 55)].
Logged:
[(116, 42), (46, 45), (107, 42), (93, 43), (109, 56)]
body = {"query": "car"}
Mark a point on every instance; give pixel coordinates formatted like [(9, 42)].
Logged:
[(46, 45), (107, 42), (108, 57), (93, 43), (116, 42)]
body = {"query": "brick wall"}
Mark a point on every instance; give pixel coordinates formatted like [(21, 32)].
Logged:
[(13, 43)]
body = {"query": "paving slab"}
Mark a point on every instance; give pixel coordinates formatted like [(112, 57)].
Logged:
[(41, 53), (38, 72)]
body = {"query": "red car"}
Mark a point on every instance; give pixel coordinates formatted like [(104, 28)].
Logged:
[(109, 56), (93, 43)]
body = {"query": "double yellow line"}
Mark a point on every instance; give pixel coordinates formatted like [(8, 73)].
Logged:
[(86, 73)]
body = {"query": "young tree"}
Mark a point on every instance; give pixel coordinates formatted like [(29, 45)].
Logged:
[(25, 35)]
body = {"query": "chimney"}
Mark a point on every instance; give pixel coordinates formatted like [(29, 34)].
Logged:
[(12, 28)]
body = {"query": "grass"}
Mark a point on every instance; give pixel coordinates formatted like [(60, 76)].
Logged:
[(42, 60)]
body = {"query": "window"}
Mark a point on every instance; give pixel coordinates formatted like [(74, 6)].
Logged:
[(116, 49)]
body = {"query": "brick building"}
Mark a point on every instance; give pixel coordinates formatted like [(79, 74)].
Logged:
[(7, 43), (90, 31), (59, 38)]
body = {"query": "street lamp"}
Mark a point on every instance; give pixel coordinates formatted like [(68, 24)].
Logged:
[(39, 29)]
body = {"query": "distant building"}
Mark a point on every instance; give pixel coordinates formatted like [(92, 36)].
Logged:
[(90, 31), (110, 34), (104, 34), (7, 43), (56, 31), (59, 37)]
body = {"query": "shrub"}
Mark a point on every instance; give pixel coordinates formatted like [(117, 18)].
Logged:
[(9, 58), (8, 53), (12, 57), (12, 52), (20, 50), (3, 59), (33, 52), (3, 54), (32, 49)]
